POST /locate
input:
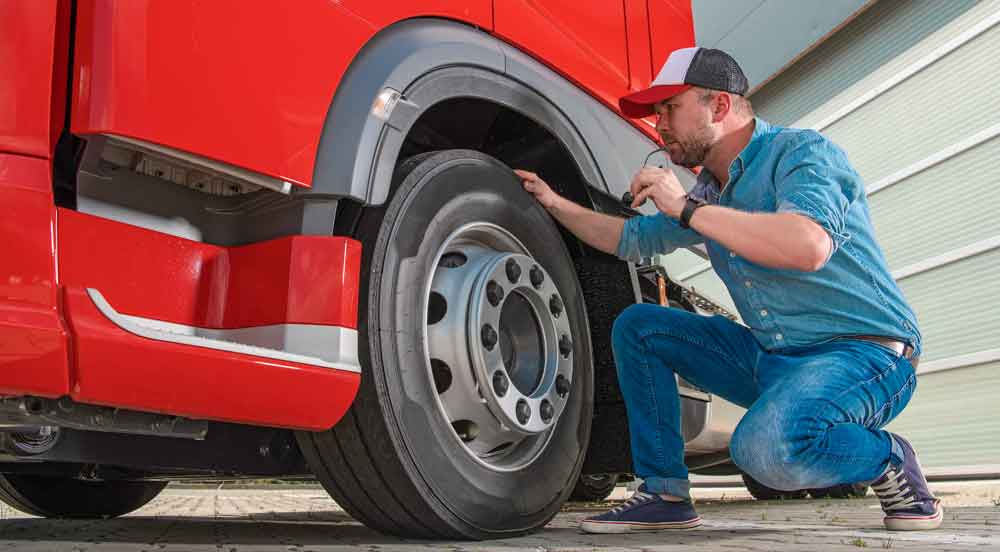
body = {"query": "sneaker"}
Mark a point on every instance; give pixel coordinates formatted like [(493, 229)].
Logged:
[(906, 500), (643, 512)]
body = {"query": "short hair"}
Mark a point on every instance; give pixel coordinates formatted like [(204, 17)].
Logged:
[(741, 104)]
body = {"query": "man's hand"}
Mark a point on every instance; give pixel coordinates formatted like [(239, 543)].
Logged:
[(661, 186), (538, 188)]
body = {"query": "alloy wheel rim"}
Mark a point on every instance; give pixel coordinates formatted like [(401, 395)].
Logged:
[(499, 349)]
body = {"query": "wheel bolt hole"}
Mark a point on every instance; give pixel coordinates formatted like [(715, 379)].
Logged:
[(467, 430), (562, 385), (494, 293), (489, 337), (565, 346), (513, 271), (536, 276), (546, 411), (452, 260), (555, 306), (500, 383), (437, 307), (523, 411), (442, 375)]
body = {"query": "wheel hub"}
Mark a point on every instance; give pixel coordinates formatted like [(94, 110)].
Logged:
[(499, 345)]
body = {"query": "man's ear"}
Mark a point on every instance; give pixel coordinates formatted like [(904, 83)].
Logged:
[(723, 105)]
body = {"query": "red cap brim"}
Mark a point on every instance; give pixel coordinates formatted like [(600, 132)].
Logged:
[(640, 104)]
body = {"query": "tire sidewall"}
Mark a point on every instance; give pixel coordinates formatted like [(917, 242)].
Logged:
[(445, 192)]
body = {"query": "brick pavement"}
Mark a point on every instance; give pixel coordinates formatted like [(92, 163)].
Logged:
[(303, 520)]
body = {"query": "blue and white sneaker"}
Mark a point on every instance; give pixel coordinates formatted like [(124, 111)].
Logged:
[(643, 512), (906, 499)]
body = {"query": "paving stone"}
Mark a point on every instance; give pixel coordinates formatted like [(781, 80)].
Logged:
[(297, 520)]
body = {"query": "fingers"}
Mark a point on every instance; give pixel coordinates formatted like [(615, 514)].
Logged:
[(641, 197)]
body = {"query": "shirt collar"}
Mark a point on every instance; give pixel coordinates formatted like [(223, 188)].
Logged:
[(760, 129)]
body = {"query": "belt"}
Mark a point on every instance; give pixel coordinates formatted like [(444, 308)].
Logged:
[(901, 348)]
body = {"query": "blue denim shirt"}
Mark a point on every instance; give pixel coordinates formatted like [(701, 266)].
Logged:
[(793, 171)]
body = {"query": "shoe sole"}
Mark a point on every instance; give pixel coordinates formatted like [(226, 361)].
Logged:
[(615, 527), (915, 523)]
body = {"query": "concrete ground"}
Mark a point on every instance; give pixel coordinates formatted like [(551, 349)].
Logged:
[(290, 519)]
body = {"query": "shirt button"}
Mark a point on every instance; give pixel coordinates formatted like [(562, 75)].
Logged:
[(763, 312), (748, 283), (779, 337), (731, 254)]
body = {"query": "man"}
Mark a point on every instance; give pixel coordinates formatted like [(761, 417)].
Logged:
[(828, 353)]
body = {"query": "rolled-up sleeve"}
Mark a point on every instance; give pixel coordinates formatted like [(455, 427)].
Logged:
[(814, 179), (650, 235)]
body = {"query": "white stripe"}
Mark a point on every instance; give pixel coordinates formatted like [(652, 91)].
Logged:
[(941, 155), (960, 361), (675, 69), (911, 70), (970, 250), (341, 344)]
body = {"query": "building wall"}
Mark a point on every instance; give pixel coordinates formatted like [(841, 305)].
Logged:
[(909, 89)]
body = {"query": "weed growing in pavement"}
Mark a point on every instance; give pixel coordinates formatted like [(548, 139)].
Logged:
[(860, 543), (836, 519)]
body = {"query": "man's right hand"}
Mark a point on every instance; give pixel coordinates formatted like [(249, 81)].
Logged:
[(538, 188)]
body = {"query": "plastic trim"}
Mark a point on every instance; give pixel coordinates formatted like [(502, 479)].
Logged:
[(300, 343)]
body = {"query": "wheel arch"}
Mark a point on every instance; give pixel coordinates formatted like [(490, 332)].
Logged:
[(434, 61)]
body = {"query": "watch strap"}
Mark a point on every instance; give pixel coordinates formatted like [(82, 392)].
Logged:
[(689, 207)]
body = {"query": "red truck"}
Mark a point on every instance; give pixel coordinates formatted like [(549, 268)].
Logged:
[(262, 239)]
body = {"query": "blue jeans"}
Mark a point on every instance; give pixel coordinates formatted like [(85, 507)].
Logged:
[(814, 413)]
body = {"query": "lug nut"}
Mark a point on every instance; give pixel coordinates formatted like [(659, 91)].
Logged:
[(494, 293), (555, 305), (500, 383), (537, 276), (513, 271), (562, 385), (523, 411), (565, 346), (546, 411), (489, 336)]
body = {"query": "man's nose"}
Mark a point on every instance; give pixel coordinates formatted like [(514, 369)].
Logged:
[(661, 123)]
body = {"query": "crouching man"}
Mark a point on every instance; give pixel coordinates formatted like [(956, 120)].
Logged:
[(830, 346)]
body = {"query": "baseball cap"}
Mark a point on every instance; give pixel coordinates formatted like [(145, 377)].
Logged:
[(687, 67)]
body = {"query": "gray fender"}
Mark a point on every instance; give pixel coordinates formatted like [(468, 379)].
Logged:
[(431, 60)]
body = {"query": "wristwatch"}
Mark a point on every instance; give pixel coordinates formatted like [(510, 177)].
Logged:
[(689, 207)]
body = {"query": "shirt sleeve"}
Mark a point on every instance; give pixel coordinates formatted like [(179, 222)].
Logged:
[(650, 235), (814, 179)]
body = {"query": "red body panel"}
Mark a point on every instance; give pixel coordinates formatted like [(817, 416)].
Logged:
[(33, 343), (246, 83), (293, 280), (33, 59), (298, 279), (584, 42), (117, 368)]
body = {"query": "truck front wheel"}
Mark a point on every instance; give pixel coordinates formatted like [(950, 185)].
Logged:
[(474, 410)]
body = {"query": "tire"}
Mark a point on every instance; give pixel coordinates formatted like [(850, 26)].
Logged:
[(594, 487), (846, 490), (65, 497), (420, 452), (762, 492)]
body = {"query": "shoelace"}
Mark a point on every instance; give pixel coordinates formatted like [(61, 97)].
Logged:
[(638, 498), (893, 493)]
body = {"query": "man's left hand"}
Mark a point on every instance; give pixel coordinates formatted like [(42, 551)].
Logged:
[(661, 186)]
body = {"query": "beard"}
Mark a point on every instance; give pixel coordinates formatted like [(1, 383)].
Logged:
[(693, 148)]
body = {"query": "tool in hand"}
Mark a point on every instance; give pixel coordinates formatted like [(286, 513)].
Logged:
[(627, 197)]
